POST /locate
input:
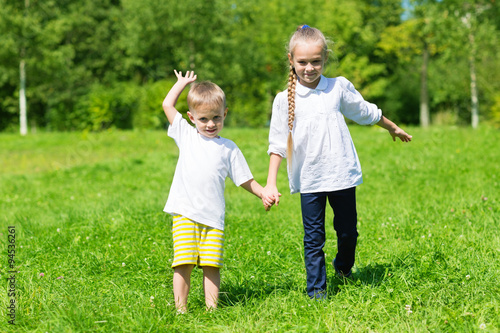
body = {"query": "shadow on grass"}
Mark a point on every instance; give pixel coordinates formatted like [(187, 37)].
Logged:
[(247, 291), (244, 292), (372, 275)]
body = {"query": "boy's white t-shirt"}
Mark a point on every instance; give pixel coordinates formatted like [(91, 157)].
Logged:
[(197, 190)]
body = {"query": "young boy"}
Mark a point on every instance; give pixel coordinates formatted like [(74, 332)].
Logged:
[(196, 198)]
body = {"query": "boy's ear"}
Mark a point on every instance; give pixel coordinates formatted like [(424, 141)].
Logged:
[(225, 112), (190, 115)]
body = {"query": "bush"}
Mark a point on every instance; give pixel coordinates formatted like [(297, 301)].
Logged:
[(495, 111), (124, 105), (250, 106), (108, 106), (149, 113)]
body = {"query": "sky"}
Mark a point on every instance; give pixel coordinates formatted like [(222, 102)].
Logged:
[(407, 7)]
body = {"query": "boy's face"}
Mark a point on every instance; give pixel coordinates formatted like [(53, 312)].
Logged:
[(208, 121)]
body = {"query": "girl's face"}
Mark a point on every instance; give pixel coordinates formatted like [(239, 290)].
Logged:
[(308, 61)]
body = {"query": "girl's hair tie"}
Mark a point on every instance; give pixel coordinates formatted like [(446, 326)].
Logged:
[(305, 26)]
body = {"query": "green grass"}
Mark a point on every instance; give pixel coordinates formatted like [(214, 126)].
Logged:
[(88, 208)]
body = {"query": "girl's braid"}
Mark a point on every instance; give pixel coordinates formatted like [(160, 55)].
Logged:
[(304, 33), (292, 81)]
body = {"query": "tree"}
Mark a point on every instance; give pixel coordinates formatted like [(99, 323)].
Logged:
[(469, 17), (13, 25), (473, 35), (355, 28), (95, 63), (415, 37)]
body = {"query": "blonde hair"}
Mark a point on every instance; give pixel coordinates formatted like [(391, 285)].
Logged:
[(206, 93), (304, 33)]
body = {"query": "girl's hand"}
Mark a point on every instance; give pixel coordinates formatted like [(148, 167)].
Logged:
[(394, 130), (189, 78), (267, 204), (270, 196), (399, 133)]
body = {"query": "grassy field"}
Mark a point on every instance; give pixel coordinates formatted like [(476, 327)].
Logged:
[(93, 247)]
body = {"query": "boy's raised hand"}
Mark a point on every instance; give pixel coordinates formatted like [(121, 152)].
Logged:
[(174, 93), (189, 78)]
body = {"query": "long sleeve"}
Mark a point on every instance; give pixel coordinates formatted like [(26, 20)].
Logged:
[(354, 106)]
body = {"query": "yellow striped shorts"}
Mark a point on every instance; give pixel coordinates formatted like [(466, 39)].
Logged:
[(196, 243)]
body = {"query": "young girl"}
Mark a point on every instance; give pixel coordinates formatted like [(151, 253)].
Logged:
[(309, 130)]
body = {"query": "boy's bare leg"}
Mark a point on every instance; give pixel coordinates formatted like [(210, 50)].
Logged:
[(211, 285), (182, 282)]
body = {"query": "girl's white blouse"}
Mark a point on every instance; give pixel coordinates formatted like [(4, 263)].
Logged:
[(324, 158)]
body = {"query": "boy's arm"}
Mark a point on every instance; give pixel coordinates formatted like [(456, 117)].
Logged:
[(174, 93), (394, 130), (255, 188)]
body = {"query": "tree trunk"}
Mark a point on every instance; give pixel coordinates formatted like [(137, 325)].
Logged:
[(424, 93), (470, 20), (473, 85), (23, 119)]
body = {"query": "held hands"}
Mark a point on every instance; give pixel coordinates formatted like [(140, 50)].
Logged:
[(270, 196)]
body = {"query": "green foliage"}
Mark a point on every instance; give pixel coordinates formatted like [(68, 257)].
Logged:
[(108, 106), (400, 95), (126, 105), (367, 76), (71, 48), (250, 108), (149, 112), (495, 111), (87, 208)]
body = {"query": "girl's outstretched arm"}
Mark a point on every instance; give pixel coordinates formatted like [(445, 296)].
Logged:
[(394, 130), (175, 92), (270, 191)]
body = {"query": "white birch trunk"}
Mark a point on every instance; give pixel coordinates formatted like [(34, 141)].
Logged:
[(473, 84), (424, 93), (23, 118), (469, 21)]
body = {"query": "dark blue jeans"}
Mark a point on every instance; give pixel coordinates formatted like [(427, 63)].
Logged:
[(313, 205)]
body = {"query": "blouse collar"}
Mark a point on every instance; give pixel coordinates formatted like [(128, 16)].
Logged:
[(303, 90)]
